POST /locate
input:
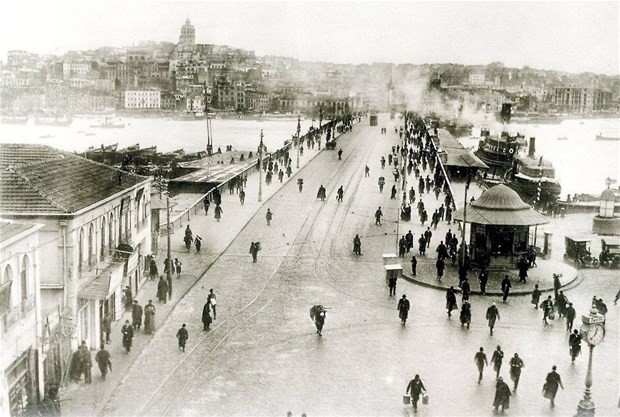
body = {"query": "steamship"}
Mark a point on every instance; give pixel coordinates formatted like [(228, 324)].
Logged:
[(533, 178), (498, 152)]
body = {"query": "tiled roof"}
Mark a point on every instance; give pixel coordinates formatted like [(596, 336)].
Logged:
[(43, 180), (8, 229)]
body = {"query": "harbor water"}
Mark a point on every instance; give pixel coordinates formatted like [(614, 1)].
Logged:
[(165, 133), (581, 162)]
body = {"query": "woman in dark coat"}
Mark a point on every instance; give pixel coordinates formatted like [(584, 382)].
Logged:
[(127, 332), (502, 394), (162, 290), (206, 316), (451, 301), (218, 212), (321, 193), (550, 389), (415, 387)]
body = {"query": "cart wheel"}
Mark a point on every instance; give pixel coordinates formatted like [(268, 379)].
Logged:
[(596, 264)]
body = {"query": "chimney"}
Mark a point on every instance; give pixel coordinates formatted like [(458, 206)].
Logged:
[(532, 148)]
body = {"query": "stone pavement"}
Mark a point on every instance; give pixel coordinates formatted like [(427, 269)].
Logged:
[(80, 399)]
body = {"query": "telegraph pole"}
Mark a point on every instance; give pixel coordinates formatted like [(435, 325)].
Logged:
[(463, 251), (169, 273), (260, 168), (298, 138)]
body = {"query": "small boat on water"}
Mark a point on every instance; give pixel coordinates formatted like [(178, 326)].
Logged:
[(600, 136), (562, 138), (46, 136), (106, 124)]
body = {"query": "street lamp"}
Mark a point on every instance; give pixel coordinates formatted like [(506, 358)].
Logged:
[(298, 138), (260, 168), (593, 331)]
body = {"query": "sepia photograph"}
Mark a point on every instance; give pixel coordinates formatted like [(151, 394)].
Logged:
[(206, 208)]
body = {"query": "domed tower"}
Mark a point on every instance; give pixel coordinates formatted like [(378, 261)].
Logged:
[(606, 222), (187, 40)]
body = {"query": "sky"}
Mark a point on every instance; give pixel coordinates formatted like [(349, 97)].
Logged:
[(565, 36)]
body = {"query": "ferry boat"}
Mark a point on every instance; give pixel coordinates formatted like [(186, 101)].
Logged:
[(600, 136), (498, 151), (106, 124), (53, 121), (529, 174), (15, 120)]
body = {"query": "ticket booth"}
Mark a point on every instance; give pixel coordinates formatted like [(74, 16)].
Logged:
[(390, 259), (393, 271)]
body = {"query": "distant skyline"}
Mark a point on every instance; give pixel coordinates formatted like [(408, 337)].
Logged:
[(565, 36)]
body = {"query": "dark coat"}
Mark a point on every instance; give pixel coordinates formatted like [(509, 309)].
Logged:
[(206, 316), (415, 387), (162, 290), (451, 300), (127, 332), (136, 314), (403, 308), (553, 381), (182, 335), (502, 395)]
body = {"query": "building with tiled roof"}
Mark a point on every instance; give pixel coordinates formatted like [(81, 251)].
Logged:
[(97, 225), (21, 376)]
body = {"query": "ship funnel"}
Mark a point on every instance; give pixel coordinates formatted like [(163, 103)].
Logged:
[(532, 148)]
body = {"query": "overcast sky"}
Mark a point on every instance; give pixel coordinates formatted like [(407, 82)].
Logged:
[(567, 36)]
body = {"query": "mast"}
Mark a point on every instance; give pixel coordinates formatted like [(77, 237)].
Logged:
[(208, 118)]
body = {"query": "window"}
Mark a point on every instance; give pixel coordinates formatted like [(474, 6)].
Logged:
[(103, 236), (91, 244), (81, 249), (23, 281)]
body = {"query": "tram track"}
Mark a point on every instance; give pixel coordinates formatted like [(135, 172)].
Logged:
[(161, 401)]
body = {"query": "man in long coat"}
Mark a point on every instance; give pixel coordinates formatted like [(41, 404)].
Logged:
[(136, 315), (403, 309), (502, 394), (127, 332), (162, 290), (550, 389), (103, 361), (182, 335), (451, 301), (492, 316), (321, 193), (149, 318)]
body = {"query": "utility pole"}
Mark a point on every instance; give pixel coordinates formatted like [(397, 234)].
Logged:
[(169, 273), (260, 168), (298, 138), (464, 252)]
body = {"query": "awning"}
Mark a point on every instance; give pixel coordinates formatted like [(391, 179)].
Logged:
[(104, 284), (464, 158), (527, 217)]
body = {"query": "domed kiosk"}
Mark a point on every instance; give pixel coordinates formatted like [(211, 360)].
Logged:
[(606, 222), (500, 227)]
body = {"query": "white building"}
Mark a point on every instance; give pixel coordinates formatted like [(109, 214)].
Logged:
[(142, 99), (477, 79), (96, 229), (21, 371)]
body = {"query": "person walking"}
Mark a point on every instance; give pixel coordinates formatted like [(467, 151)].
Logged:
[(357, 245), (492, 315), (136, 315), (451, 301), (107, 326), (465, 289), (496, 359), (206, 316), (552, 382), (415, 388), (536, 296), (422, 245), (403, 308), (381, 183), (340, 154), (254, 248), (103, 361), (378, 215), (149, 318), (516, 363), (197, 243), (440, 265), (206, 203), (561, 303), (569, 313), (127, 332), (574, 345), (392, 285), (480, 359), (414, 265), (86, 362), (242, 196), (218, 212), (162, 290), (319, 320), (177, 266), (556, 285), (212, 300), (502, 395), (465, 315), (506, 286), (268, 217), (321, 193), (547, 308), (366, 171), (182, 336), (483, 277)]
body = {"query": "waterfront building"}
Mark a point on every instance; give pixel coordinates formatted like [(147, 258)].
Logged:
[(21, 369), (142, 99), (96, 229), (581, 99)]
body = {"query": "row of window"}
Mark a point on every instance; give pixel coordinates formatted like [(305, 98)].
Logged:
[(20, 289)]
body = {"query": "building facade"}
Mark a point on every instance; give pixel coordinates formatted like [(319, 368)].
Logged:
[(21, 371), (98, 219), (142, 99)]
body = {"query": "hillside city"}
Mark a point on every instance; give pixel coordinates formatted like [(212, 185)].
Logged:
[(171, 77)]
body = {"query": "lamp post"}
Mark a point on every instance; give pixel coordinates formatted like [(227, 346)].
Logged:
[(593, 331), (463, 253), (298, 138), (169, 272), (260, 168)]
